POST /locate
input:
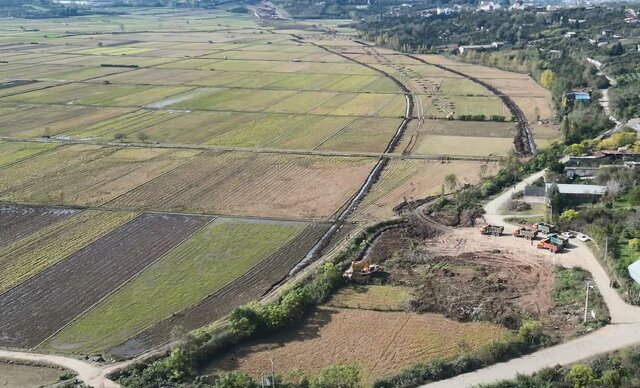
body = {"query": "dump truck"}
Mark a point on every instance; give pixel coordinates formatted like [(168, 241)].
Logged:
[(547, 244), (544, 228), (529, 234), (556, 239), (495, 230)]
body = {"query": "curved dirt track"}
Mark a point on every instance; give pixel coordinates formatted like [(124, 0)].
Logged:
[(90, 374), (623, 331)]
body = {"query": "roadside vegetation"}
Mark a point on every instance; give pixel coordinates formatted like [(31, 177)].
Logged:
[(611, 370)]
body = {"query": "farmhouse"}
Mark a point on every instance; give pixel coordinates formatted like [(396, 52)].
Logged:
[(634, 271), (578, 194)]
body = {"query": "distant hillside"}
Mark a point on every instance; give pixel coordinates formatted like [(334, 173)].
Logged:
[(35, 9)]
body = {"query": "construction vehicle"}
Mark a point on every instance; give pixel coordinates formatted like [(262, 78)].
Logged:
[(529, 234), (554, 238), (547, 244), (361, 268), (495, 230), (544, 228)]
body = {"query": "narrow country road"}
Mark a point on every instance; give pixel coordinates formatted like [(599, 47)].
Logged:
[(623, 331)]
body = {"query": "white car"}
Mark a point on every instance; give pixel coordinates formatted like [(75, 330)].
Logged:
[(583, 237), (567, 235)]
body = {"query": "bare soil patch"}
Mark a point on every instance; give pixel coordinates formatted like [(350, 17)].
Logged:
[(380, 343)]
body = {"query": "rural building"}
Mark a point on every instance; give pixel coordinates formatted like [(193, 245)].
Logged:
[(481, 47), (634, 271), (578, 96), (570, 34), (578, 194), (581, 172)]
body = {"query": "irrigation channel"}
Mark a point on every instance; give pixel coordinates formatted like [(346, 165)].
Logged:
[(374, 174)]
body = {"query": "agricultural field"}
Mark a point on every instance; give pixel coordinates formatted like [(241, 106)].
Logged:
[(159, 169), (85, 175), (336, 336), (14, 374), (213, 257), (256, 184)]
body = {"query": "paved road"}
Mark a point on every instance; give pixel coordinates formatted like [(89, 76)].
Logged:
[(94, 375), (623, 331)]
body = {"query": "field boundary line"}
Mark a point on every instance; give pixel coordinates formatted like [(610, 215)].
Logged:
[(77, 317), (282, 151)]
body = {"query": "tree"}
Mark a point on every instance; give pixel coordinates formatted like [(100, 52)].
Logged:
[(451, 181), (555, 200), (546, 78), (120, 137), (616, 50), (581, 376), (337, 376), (634, 196), (143, 136), (634, 244), (569, 215), (614, 188)]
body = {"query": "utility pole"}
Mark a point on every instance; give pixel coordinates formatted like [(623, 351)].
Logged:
[(273, 374), (606, 243), (586, 301)]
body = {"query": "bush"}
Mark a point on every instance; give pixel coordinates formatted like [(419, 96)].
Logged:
[(337, 376), (581, 376), (518, 206), (634, 244), (569, 215)]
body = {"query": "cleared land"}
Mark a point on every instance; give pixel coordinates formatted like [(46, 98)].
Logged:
[(17, 222), (213, 257), (389, 342), (14, 375)]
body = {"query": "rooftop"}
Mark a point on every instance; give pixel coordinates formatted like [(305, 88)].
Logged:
[(580, 189)]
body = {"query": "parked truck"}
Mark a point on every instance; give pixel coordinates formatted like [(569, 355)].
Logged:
[(495, 230), (544, 228), (547, 244), (529, 234), (556, 239)]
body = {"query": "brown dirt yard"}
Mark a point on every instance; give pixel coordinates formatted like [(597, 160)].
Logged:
[(467, 276)]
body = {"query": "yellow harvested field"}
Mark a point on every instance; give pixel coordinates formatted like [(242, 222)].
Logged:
[(436, 145), (84, 175), (535, 107), (413, 179), (387, 343), (254, 184)]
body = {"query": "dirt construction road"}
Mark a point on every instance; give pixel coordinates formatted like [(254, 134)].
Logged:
[(93, 375), (623, 331)]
